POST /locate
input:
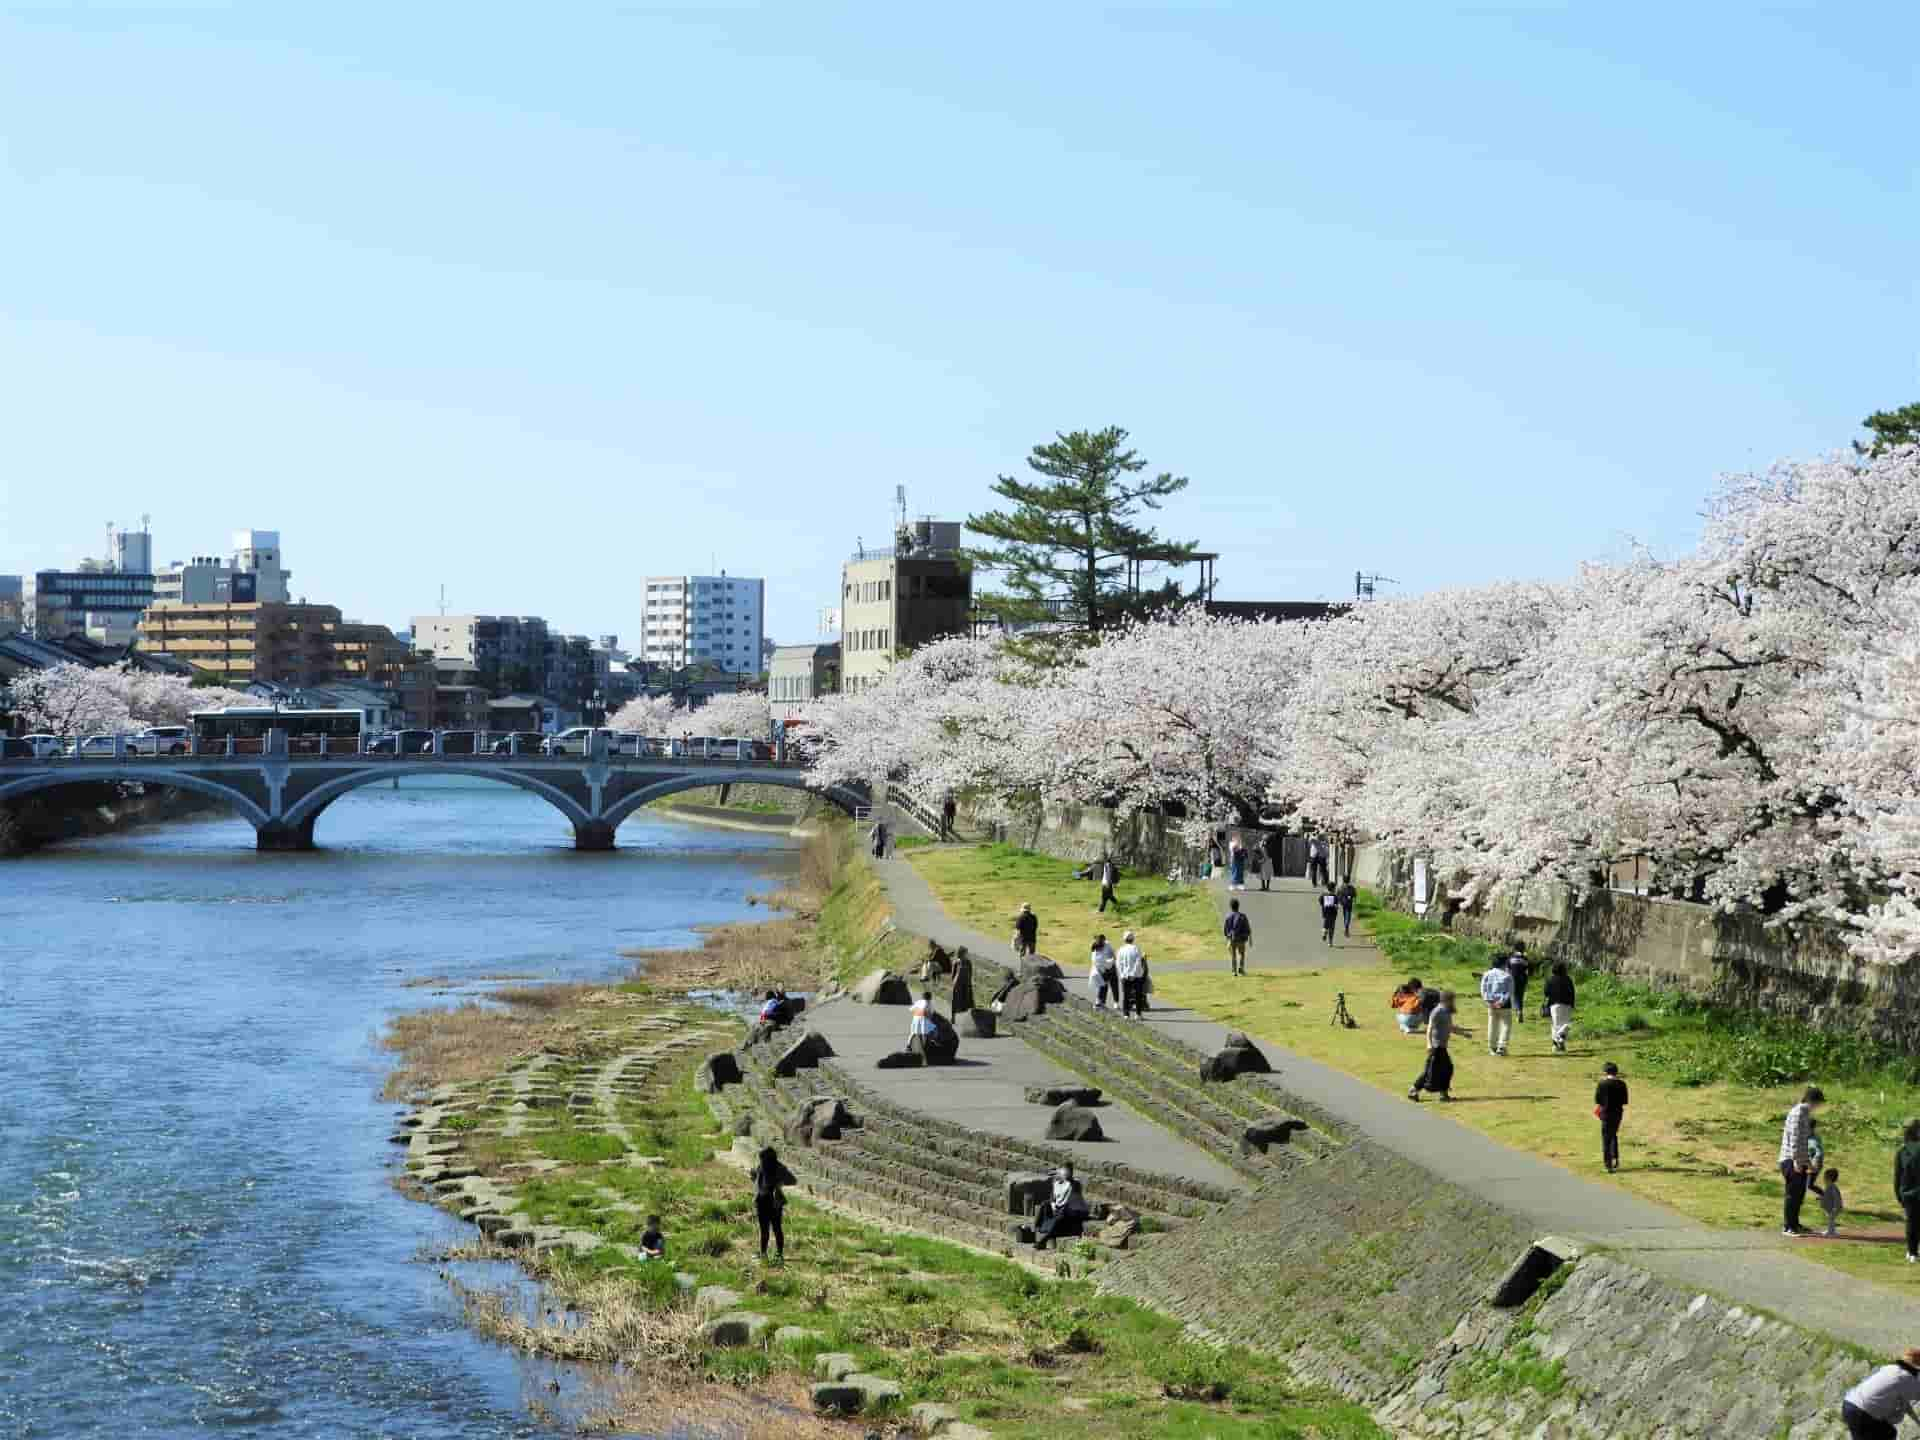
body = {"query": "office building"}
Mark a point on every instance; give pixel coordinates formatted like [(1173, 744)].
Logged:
[(253, 572), (900, 598), (104, 605), (508, 652), (714, 620), (799, 673), (12, 614)]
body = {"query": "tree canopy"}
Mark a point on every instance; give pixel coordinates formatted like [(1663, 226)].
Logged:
[(1891, 428), (1067, 541)]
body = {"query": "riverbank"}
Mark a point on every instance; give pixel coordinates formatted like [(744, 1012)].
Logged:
[(582, 1120), (79, 811)]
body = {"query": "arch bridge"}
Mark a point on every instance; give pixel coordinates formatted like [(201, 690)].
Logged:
[(282, 795)]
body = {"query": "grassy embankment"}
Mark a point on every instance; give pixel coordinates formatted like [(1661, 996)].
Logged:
[(1026, 1357)]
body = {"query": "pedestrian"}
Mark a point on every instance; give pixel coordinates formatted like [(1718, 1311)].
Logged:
[(1238, 930), (1831, 1201), (1347, 895), (1406, 1005), (653, 1241), (1026, 932), (1496, 989), (1873, 1409), (1315, 864), (1236, 865), (1610, 1107), (947, 812), (1329, 915), (1437, 1074), (1108, 876), (1214, 855), (1257, 862), (1796, 1165), (1560, 998), (1519, 971), (1906, 1186), (770, 1179), (1131, 966), (878, 835), (1275, 848), (962, 982), (1102, 978)]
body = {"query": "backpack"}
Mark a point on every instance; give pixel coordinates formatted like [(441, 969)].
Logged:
[(1238, 926)]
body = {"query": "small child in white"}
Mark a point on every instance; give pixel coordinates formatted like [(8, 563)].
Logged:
[(1830, 1200)]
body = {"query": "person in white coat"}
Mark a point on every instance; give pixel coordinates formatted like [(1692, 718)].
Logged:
[(1103, 976), (1131, 963)]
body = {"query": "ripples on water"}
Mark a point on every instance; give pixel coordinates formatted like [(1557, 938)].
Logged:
[(196, 1226)]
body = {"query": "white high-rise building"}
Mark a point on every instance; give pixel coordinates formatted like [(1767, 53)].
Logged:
[(210, 580), (704, 619)]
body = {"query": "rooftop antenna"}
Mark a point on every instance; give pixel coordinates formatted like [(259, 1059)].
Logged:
[(443, 597), (113, 560), (1363, 585), (901, 534)]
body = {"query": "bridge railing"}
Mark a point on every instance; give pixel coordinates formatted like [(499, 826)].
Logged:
[(465, 746)]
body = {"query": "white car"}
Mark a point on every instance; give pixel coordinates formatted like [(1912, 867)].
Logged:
[(576, 741), (39, 747), (96, 747), (161, 740)]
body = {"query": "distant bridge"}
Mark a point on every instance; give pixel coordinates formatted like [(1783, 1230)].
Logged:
[(282, 794)]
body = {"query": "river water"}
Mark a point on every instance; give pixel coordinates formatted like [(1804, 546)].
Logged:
[(197, 1229)]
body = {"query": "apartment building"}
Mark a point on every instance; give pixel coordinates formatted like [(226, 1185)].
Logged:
[(254, 571), (244, 643), (508, 651), (900, 598), (799, 673), (717, 620)]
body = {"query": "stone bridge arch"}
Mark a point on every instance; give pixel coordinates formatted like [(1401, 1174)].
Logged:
[(294, 829), (242, 804), (845, 797)]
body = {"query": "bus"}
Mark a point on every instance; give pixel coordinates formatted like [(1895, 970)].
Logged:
[(308, 732)]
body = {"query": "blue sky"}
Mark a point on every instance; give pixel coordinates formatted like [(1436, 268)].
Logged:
[(534, 301)]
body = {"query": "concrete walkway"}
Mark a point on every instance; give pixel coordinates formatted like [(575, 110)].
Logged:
[(1747, 1267), (986, 1090), (1286, 931)]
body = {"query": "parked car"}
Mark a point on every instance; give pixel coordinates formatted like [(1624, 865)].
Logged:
[(161, 740), (576, 740), (402, 742), (459, 742), (530, 742), (93, 747), (36, 747)]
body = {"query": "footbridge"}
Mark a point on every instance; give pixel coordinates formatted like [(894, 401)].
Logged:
[(283, 794)]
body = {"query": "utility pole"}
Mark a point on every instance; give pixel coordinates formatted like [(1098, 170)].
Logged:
[(1364, 585)]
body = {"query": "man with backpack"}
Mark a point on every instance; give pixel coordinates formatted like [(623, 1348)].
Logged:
[(1329, 914), (1238, 930)]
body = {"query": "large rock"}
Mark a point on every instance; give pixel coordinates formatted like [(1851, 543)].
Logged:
[(713, 1299), (824, 1117), (803, 1054), (738, 1327), (1027, 1190), (981, 1025), (1074, 1122), (1031, 997), (1263, 1134), (1039, 967), (835, 1365), (717, 1071), (899, 1060), (838, 1397), (1061, 1094), (943, 1046), (1239, 1057), (883, 987)]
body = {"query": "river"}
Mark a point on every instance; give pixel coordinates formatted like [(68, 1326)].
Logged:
[(197, 1229)]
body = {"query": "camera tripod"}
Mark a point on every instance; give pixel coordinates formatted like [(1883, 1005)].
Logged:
[(1340, 1015)]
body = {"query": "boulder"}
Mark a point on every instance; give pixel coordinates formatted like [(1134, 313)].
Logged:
[(1039, 967), (738, 1327), (943, 1046), (743, 1124), (835, 1366), (1027, 1190), (876, 1389), (805, 1053), (980, 1025), (1061, 1094), (1074, 1122), (899, 1060), (838, 1397), (1031, 997), (1262, 1134), (882, 987), (717, 1071), (823, 1117), (1240, 1057), (715, 1299), (790, 1335), (931, 1419)]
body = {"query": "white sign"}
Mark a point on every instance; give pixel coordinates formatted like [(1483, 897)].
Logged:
[(1422, 895)]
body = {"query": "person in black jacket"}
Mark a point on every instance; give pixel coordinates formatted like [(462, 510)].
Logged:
[(1519, 971), (770, 1177), (1560, 1004), (1610, 1106), (1026, 931), (1906, 1186)]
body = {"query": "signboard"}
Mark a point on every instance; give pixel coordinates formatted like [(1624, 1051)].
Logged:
[(1422, 888), (246, 589)]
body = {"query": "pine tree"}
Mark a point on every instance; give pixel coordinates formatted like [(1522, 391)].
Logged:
[(1891, 428), (1069, 542)]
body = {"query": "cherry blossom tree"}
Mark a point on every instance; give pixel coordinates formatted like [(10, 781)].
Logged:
[(73, 700), (740, 715), (654, 715)]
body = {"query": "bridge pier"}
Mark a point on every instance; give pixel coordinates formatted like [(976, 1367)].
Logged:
[(278, 835), (593, 835)]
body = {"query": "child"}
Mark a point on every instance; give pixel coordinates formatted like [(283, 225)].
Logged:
[(653, 1244), (1610, 1105), (1830, 1200)]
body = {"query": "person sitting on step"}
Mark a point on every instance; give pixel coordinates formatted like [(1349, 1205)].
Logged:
[(1063, 1212)]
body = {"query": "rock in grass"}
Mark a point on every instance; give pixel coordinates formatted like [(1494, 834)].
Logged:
[(713, 1299), (1263, 1134), (736, 1328), (805, 1053), (838, 1397), (1074, 1122), (794, 1335), (717, 1071), (835, 1366), (876, 1389), (931, 1419), (882, 987)]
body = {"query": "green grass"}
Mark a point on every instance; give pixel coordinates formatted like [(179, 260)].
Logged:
[(853, 918), (580, 1147), (985, 885)]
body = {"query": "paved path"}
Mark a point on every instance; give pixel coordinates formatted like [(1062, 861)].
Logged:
[(986, 1090), (1747, 1267)]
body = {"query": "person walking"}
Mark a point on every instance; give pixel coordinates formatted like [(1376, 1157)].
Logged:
[(1108, 877), (878, 837), (1610, 1107), (1131, 966), (1316, 863), (770, 1179), (1329, 915), (1236, 865), (1873, 1409), (1347, 895), (1906, 1186), (1519, 971), (1102, 978), (1560, 998), (1257, 862), (1796, 1165), (1239, 931), (1026, 932), (962, 982), (1437, 1074), (1496, 989), (947, 811)]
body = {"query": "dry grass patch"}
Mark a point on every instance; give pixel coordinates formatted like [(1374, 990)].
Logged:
[(470, 1041)]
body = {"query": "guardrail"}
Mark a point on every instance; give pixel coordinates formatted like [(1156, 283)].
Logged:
[(457, 745)]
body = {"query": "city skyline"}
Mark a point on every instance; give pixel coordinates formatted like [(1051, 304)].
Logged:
[(1463, 296)]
